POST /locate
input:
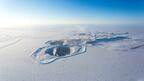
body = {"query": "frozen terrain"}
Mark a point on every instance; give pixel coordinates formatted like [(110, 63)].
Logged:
[(83, 53), (67, 47)]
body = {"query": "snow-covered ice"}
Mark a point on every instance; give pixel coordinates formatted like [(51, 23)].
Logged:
[(105, 53)]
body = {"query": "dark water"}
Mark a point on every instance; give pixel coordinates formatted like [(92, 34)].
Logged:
[(60, 51)]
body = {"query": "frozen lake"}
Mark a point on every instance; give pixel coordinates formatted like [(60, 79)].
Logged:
[(121, 60)]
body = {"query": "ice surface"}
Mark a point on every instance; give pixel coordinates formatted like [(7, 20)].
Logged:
[(134, 43), (56, 49), (8, 39), (103, 61)]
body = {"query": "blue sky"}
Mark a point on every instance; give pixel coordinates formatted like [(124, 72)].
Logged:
[(29, 12)]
